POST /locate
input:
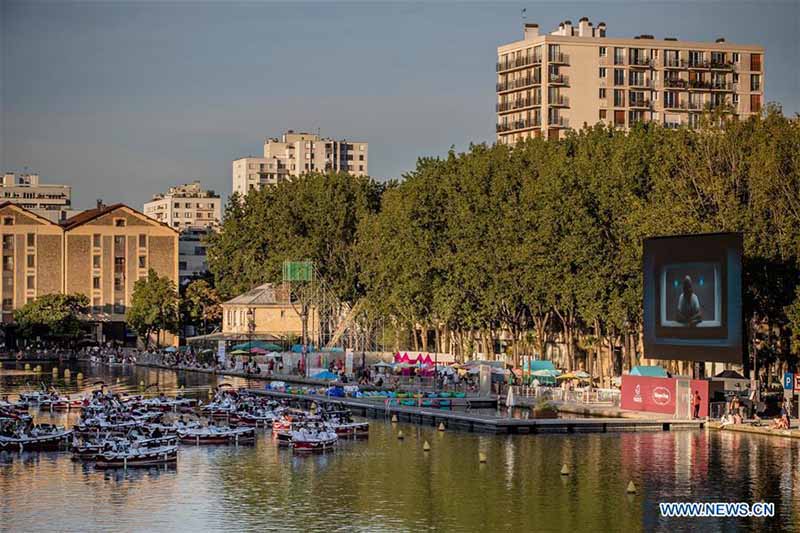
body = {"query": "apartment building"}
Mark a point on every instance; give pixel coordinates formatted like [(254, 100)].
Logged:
[(577, 76), (295, 154), (100, 253), (186, 206), (53, 202)]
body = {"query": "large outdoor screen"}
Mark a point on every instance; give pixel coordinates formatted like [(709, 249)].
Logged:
[(693, 297)]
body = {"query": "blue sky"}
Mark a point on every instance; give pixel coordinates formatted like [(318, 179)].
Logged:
[(123, 99)]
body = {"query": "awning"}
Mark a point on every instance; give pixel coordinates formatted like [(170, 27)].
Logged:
[(654, 371)]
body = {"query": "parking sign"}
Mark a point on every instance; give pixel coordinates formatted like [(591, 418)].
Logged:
[(788, 381)]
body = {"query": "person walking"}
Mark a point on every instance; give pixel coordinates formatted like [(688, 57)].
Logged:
[(696, 402)]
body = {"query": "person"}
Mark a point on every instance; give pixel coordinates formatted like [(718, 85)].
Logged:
[(689, 305), (696, 402)]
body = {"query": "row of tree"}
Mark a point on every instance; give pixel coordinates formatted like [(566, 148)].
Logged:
[(156, 308), (538, 242)]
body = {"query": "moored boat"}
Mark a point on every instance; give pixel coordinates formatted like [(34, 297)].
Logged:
[(134, 456), (218, 435)]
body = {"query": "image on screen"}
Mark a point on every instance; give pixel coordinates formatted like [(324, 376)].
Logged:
[(690, 295)]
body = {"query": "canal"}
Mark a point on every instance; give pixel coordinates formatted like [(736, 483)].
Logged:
[(393, 485)]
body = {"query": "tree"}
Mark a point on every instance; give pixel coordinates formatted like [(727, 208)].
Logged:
[(154, 307), (57, 317), (202, 304)]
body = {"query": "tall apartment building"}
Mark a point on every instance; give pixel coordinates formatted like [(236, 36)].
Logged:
[(186, 206), (99, 253), (295, 154), (578, 76), (50, 201)]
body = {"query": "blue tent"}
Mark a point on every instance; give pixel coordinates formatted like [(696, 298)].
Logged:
[(326, 375), (298, 348), (649, 371), (533, 366)]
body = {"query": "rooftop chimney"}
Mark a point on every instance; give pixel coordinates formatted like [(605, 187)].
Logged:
[(568, 27), (99, 203), (8, 179), (531, 30), (601, 29), (721, 39), (584, 27)]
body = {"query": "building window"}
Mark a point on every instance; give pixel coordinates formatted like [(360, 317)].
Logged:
[(602, 51), (755, 103), (119, 222), (619, 98), (96, 306), (142, 240), (96, 240), (755, 62), (619, 118), (602, 73), (182, 265), (755, 82), (619, 56), (142, 261), (619, 76), (602, 93), (602, 114), (96, 282), (31, 260), (735, 57), (31, 239), (30, 283), (8, 221)]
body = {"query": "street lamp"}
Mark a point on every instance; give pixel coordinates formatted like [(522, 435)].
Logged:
[(251, 327)]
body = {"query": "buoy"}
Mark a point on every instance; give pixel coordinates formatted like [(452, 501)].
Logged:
[(394, 419), (55, 370), (481, 457), (67, 373), (117, 381), (631, 488), (38, 368), (27, 366), (441, 426), (80, 375), (141, 383), (400, 435), (565, 470), (426, 447)]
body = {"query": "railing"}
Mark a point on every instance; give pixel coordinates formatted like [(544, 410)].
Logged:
[(640, 62), (517, 125), (699, 64), (644, 83), (558, 122), (517, 104), (518, 83), (674, 63), (679, 84), (640, 103), (610, 397), (558, 79), (560, 100), (517, 63), (722, 65), (560, 57)]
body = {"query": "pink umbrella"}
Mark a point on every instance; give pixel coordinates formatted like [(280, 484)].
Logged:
[(260, 351)]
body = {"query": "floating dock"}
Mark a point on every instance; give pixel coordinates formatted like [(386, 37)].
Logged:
[(485, 423)]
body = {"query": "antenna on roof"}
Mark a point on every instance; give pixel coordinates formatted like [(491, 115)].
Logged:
[(524, 13)]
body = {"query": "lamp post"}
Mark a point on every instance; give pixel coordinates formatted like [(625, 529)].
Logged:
[(251, 327)]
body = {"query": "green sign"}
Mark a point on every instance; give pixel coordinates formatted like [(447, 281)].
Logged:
[(298, 271)]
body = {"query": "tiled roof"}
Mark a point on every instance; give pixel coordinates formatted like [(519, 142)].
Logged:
[(266, 294)]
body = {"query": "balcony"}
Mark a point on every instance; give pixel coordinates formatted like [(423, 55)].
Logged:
[(559, 101), (644, 84), (558, 122), (675, 106), (640, 104), (674, 63), (517, 125), (676, 83), (699, 65), (640, 62), (518, 83), (517, 63), (558, 59), (722, 65), (517, 104), (557, 79), (696, 106)]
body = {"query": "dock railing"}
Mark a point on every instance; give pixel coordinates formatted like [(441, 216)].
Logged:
[(610, 397)]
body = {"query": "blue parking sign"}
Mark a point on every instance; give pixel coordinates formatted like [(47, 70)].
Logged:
[(788, 380)]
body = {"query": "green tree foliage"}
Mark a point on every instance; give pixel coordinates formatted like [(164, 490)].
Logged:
[(154, 307), (313, 218), (57, 317), (201, 305), (541, 240)]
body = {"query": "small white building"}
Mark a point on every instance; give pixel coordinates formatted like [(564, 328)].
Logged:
[(186, 206), (53, 202)]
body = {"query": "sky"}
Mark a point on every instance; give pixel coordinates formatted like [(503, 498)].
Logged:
[(122, 99)]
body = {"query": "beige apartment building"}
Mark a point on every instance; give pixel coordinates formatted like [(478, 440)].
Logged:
[(295, 154), (577, 76), (100, 253), (265, 312), (186, 206), (51, 201)]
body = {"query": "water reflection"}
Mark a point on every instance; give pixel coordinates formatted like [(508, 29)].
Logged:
[(389, 484)]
